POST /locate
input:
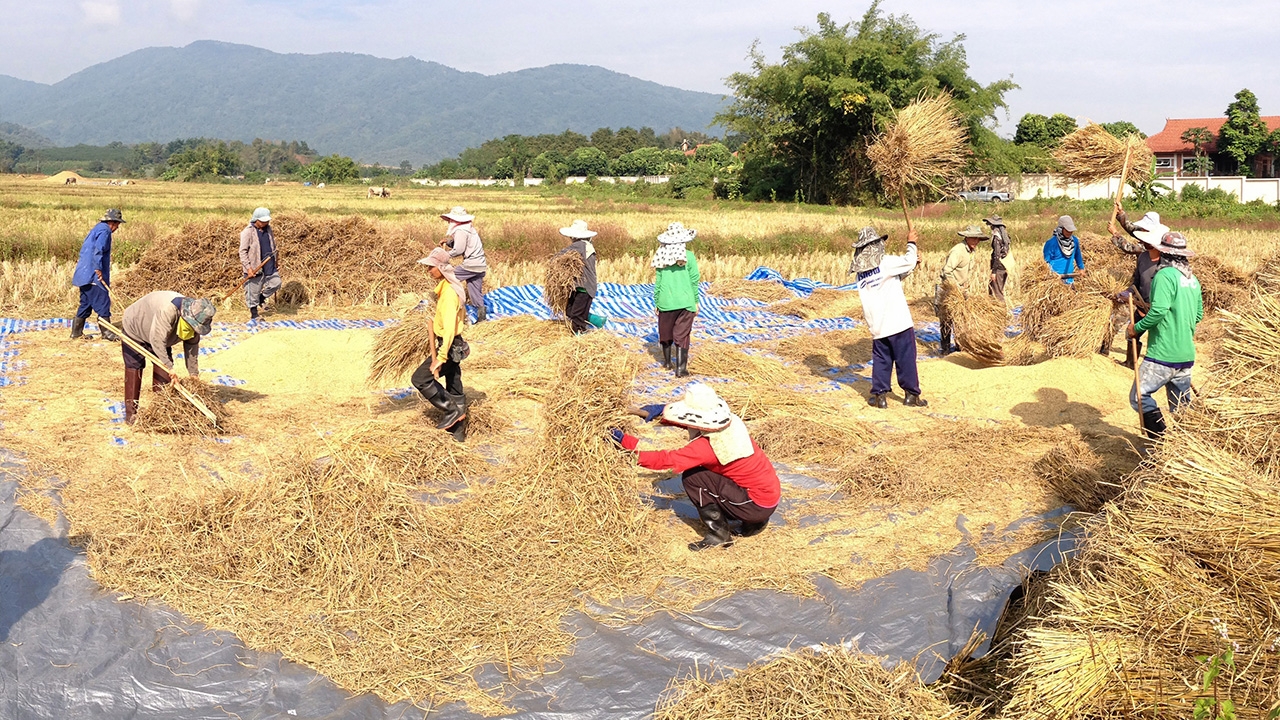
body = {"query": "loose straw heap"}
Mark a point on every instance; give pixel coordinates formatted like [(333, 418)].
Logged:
[(766, 291), (401, 348), (1074, 472), (824, 682), (1091, 154), (168, 412), (561, 279), (924, 146), (1066, 322), (979, 322)]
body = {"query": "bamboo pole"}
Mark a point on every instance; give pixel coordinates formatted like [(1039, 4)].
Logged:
[(1124, 175), (1137, 376)]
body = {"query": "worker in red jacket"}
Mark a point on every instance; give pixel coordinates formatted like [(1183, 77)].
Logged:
[(725, 474)]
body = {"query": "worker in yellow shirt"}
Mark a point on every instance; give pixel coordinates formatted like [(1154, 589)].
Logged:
[(439, 378)]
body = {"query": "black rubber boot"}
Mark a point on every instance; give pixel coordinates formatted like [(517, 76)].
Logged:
[(1153, 423), (666, 355), (442, 401), (877, 400), (107, 334), (913, 400), (480, 314), (77, 328), (717, 529), (750, 529), (682, 361), (459, 429), (253, 313), (944, 340)]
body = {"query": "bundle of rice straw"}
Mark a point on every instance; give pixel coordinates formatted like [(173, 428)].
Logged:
[(1044, 296), (924, 146), (293, 293), (1067, 322), (978, 321), (824, 682), (168, 412), (1091, 154), (765, 291), (1074, 472), (401, 348), (1222, 285), (563, 271), (718, 359), (822, 303)]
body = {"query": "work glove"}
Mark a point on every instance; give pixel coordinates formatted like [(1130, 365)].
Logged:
[(652, 412), (616, 436)]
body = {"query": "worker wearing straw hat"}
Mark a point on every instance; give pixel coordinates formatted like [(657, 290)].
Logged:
[(725, 473), (259, 259), (1062, 251), (93, 274), (463, 241), (450, 319), (1001, 260), (158, 321), (579, 306), (958, 268), (675, 292), (1177, 307), (1148, 231), (884, 306)]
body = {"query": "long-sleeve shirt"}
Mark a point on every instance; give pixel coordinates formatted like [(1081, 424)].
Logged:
[(95, 254), (884, 305), (153, 321), (959, 266), (1064, 264), (254, 245), (587, 280), (448, 322), (1146, 268), (675, 287), (464, 242), (753, 473), (1000, 246), (1177, 307)]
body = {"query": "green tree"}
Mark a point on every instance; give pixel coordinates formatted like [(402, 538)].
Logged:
[(808, 119), (504, 169), (551, 165), (1197, 138), (1059, 126), (714, 153), (1123, 128), (588, 161), (331, 169), (1244, 135), (1033, 129), (9, 154), (204, 159)]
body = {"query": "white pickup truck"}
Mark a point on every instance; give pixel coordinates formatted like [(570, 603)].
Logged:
[(982, 193)]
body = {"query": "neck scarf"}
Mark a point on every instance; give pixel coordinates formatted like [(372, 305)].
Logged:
[(1181, 264), (1066, 244), (439, 258), (668, 255), (732, 443), (867, 258)]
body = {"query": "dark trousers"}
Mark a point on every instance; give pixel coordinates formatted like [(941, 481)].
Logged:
[(450, 379), (675, 326), (996, 286), (475, 286), (898, 349), (706, 488), (579, 311), (94, 299), (134, 360)]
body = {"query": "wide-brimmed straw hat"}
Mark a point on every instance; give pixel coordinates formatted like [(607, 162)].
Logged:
[(1175, 243), (578, 231), (198, 312), (973, 231), (677, 234), (701, 409), (112, 215), (458, 215), (867, 236), (1150, 230)]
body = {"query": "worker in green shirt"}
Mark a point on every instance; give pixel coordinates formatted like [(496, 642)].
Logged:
[(1177, 306), (675, 291)]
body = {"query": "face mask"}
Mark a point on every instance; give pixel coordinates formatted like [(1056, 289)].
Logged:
[(185, 331)]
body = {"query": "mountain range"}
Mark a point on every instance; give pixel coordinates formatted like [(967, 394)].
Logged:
[(369, 108)]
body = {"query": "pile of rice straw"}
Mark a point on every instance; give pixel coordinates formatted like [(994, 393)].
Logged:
[(563, 271), (823, 682), (1223, 286), (1067, 322), (924, 146), (978, 321), (792, 438), (400, 348), (1091, 154), (765, 291), (293, 293), (168, 412), (1075, 473), (718, 359), (822, 303)]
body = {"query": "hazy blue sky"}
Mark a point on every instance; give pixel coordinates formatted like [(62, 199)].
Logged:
[(1103, 60)]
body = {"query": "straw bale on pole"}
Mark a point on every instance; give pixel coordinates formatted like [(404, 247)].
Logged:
[(563, 271), (1091, 154), (924, 146), (979, 322)]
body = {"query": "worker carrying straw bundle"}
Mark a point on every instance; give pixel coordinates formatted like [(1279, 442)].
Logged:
[(1177, 306), (959, 269), (725, 473), (450, 349), (93, 274), (259, 258), (578, 308), (675, 292), (1062, 251), (462, 240), (1001, 259), (158, 321), (1148, 231), (884, 307)]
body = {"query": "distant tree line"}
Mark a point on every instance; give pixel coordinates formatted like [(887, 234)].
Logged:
[(185, 159)]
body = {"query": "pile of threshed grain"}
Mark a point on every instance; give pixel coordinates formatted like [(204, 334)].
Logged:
[(563, 271), (1091, 154), (167, 412), (341, 261), (978, 321), (921, 148), (401, 348), (824, 682), (766, 291)]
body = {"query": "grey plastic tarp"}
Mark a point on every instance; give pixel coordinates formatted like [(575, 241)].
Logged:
[(70, 650)]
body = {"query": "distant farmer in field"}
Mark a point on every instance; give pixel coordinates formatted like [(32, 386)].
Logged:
[(92, 271), (258, 255), (1148, 231), (463, 241), (579, 306), (884, 306), (158, 321), (1062, 251), (958, 268), (675, 291), (1001, 260), (439, 378), (1177, 306), (725, 473)]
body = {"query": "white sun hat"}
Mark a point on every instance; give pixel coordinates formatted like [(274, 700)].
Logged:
[(457, 214), (578, 231), (677, 234), (1150, 230), (701, 409)]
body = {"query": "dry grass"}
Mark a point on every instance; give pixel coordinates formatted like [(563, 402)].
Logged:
[(1091, 154), (791, 438), (923, 147), (402, 347), (36, 284), (1076, 475), (979, 323), (560, 280), (765, 291), (1067, 322), (717, 359), (822, 303), (168, 412)]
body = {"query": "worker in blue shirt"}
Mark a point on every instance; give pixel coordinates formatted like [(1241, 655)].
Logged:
[(1062, 251), (93, 274)]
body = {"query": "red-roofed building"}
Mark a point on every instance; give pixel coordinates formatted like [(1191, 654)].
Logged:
[(1172, 153)]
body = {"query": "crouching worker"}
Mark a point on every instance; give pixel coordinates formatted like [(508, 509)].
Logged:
[(725, 474), (158, 321), (439, 379)]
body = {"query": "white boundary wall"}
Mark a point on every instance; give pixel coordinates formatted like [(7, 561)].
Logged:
[(576, 180), (1246, 189)]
